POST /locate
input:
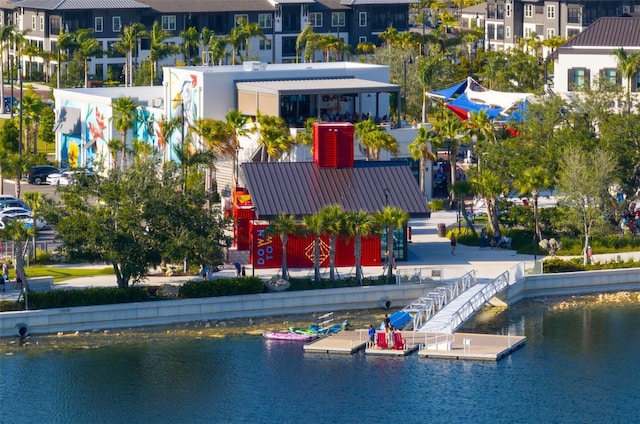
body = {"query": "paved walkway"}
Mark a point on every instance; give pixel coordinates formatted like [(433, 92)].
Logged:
[(426, 250)]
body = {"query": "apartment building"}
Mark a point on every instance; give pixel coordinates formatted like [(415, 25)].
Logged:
[(508, 21), (354, 21)]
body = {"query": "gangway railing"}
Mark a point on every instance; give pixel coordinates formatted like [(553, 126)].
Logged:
[(474, 304), (423, 308)]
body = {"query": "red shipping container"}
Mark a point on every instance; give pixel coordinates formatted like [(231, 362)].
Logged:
[(333, 144)]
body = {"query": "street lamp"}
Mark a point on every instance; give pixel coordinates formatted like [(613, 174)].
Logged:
[(20, 78), (409, 61)]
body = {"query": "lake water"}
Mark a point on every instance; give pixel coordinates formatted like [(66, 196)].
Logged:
[(578, 366)]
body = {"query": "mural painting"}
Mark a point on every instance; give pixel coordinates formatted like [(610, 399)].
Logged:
[(185, 93)]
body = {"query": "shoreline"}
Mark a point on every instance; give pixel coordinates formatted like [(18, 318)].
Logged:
[(359, 319)]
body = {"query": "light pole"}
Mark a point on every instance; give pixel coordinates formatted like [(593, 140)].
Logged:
[(20, 79), (409, 61)]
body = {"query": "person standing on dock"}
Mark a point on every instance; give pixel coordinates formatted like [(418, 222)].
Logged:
[(372, 334)]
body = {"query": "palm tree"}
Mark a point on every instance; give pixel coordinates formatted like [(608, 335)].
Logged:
[(115, 145), (6, 34), (189, 159), (420, 149), (391, 218), (167, 128), (274, 136), (373, 140), (159, 48), (359, 224), (34, 200), (489, 185), (31, 106), (332, 218), (124, 116), (30, 50), (18, 233), (534, 180), (314, 225), (190, 42), (217, 49), (88, 47), (128, 44), (283, 225), (237, 123), (302, 42), (218, 138), (452, 128), (240, 35), (65, 42), (628, 65)]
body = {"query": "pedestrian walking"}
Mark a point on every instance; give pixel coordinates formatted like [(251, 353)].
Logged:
[(483, 239), (454, 241), (238, 268)]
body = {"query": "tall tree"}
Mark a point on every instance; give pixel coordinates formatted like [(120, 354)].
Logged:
[(128, 44), (6, 33), (283, 225), (452, 129), (314, 226), (585, 178), (628, 65), (190, 43), (218, 138), (160, 49), (421, 149), (274, 137), (391, 218), (124, 116), (66, 42), (357, 225), (533, 181), (374, 139), (88, 47), (333, 219)]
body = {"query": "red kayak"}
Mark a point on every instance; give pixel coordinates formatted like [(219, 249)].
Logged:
[(277, 335)]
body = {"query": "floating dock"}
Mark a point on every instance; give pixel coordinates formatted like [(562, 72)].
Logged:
[(461, 346)]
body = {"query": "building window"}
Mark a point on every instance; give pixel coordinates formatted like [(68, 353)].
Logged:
[(610, 75), (241, 18), (528, 11), (41, 23), (116, 24), (362, 40), (265, 44), (33, 23), (572, 32), (551, 12), (507, 32), (508, 10), (362, 19), (578, 78), (573, 15), (337, 19), (551, 32), (315, 19), (169, 22), (98, 27), (265, 20)]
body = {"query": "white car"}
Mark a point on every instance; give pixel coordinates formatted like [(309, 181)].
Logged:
[(15, 212), (68, 177), (28, 222), (54, 179)]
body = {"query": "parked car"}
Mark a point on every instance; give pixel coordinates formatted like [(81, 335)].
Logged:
[(14, 212), (38, 174), (8, 103), (13, 203), (28, 221), (75, 177)]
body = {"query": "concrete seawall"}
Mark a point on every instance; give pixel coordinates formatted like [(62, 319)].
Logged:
[(570, 283), (216, 308)]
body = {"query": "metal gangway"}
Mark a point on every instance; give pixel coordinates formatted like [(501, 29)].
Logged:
[(449, 318), (424, 308)]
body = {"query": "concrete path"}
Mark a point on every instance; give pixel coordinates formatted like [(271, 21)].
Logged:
[(426, 250)]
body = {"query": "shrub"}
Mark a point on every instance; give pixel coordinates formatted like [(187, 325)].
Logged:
[(436, 205), (86, 297), (221, 287), (555, 265)]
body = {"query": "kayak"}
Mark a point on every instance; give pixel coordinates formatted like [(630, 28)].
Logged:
[(279, 335)]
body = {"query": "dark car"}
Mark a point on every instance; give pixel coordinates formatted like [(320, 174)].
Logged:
[(38, 174), (10, 102)]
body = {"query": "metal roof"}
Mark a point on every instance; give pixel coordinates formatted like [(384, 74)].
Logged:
[(359, 2), (317, 86), (173, 6), (303, 188), (81, 4), (618, 31)]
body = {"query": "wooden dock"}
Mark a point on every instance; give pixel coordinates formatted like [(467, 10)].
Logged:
[(479, 347), (461, 346)]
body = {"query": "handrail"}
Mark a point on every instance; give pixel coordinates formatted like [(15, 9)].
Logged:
[(422, 309), (478, 300)]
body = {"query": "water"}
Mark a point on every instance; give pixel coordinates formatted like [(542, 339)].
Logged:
[(578, 366)]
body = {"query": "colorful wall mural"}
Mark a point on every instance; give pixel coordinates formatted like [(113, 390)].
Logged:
[(185, 92)]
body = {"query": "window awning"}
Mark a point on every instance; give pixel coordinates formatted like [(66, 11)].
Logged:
[(317, 86), (68, 121)]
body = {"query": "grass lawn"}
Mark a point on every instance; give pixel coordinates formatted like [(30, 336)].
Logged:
[(62, 274)]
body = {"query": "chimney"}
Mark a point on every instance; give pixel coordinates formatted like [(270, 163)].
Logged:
[(333, 144)]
